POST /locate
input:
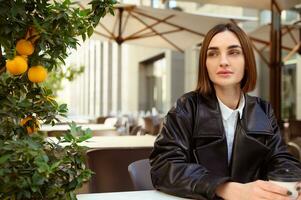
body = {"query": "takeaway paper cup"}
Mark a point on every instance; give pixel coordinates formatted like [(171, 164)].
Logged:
[(287, 179)]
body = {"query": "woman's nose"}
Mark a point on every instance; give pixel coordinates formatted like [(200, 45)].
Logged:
[(224, 61)]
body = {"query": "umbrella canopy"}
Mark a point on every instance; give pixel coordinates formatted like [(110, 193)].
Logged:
[(290, 36), (290, 39), (157, 27), (256, 4)]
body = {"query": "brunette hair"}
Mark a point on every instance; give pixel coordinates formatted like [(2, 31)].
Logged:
[(248, 82)]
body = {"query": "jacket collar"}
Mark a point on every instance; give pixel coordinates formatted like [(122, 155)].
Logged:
[(254, 119), (227, 112)]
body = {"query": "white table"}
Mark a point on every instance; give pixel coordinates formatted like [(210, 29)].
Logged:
[(135, 195), (101, 142)]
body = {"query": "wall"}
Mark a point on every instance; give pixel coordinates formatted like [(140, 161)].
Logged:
[(175, 76), (191, 69), (132, 55)]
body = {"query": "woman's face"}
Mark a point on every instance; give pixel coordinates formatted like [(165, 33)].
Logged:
[(225, 60)]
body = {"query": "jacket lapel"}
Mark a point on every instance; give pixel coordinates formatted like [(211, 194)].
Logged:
[(249, 147), (254, 118), (209, 137)]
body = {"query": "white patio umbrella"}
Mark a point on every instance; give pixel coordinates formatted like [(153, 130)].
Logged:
[(158, 27), (290, 40), (256, 4)]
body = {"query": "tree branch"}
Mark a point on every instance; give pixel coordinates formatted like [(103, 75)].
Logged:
[(2, 70)]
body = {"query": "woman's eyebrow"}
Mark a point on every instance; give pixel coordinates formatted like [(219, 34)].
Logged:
[(212, 48), (229, 47), (233, 46)]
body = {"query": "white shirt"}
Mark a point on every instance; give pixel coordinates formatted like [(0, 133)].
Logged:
[(230, 120)]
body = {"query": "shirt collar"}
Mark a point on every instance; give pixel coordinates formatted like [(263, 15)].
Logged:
[(227, 112)]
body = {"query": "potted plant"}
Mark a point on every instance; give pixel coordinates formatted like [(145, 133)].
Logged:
[(35, 37)]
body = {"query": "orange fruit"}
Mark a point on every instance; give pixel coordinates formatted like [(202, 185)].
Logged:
[(30, 129), (37, 74), (24, 47), (16, 66)]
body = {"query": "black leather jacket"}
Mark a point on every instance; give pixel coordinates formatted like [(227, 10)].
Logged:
[(190, 153)]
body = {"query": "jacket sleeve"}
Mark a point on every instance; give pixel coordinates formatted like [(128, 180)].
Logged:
[(173, 168), (279, 158)]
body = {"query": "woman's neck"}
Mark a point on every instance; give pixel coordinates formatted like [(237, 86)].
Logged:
[(229, 96)]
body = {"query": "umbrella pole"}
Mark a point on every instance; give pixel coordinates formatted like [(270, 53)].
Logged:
[(119, 41), (119, 80), (299, 50), (275, 60)]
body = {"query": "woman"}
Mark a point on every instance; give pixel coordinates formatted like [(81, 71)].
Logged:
[(217, 141)]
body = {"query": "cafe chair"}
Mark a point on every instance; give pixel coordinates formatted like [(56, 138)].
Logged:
[(111, 121), (140, 175), (110, 167), (153, 125), (294, 147), (135, 130), (294, 129), (101, 119)]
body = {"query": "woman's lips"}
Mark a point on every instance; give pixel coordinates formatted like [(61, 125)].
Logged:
[(224, 73)]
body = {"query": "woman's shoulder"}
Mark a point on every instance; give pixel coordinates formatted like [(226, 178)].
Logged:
[(192, 100), (189, 96), (264, 104), (196, 96), (186, 102)]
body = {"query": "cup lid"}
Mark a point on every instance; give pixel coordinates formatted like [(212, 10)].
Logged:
[(286, 175)]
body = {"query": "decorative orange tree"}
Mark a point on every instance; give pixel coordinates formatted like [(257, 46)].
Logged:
[(35, 36)]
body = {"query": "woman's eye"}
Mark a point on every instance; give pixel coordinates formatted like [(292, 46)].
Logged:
[(212, 54), (234, 52)]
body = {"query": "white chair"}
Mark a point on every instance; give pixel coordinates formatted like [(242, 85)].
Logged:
[(111, 121), (140, 175)]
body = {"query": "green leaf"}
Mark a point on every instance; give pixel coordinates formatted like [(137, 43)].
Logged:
[(37, 179), (73, 128), (86, 136), (90, 31), (63, 108), (84, 12), (111, 11), (55, 165), (4, 158), (68, 138)]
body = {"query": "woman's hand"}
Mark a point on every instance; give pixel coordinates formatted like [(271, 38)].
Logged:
[(262, 190)]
